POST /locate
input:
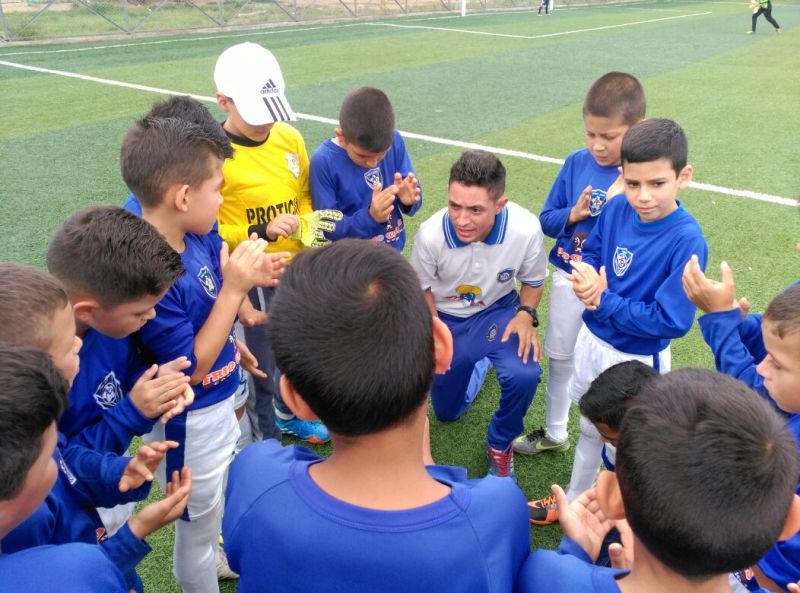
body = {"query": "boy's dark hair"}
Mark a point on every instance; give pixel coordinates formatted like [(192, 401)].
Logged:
[(112, 255), (193, 111), (654, 139), (482, 169), (159, 152), (616, 94), (367, 119), (609, 394), (33, 395), (707, 472), (784, 312), (29, 298), (351, 330)]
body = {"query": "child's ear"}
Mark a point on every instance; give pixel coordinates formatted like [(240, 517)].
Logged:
[(295, 402), (685, 176), (84, 309), (442, 346), (609, 496), (179, 196), (792, 525), (339, 135), (223, 103)]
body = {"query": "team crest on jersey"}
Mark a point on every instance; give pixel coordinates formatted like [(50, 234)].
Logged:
[(109, 392), (373, 178), (65, 470), (505, 275), (597, 200), (468, 295), (293, 164), (492, 333), (622, 260), (206, 278)]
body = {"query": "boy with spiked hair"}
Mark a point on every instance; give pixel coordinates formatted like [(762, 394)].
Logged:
[(763, 353), (175, 169), (629, 278), (380, 510), (693, 519), (365, 172), (587, 181)]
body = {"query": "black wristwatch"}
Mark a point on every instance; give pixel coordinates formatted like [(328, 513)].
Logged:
[(530, 311)]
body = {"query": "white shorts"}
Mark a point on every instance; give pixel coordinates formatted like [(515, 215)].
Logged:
[(115, 517), (563, 318), (207, 445), (593, 356)]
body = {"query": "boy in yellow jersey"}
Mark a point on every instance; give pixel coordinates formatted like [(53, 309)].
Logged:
[(265, 191)]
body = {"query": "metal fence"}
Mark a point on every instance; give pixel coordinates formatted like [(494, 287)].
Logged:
[(48, 19), (25, 20)]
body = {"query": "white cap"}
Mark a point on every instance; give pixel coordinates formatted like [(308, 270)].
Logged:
[(251, 76)]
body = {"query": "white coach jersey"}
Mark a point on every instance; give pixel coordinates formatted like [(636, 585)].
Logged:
[(466, 278)]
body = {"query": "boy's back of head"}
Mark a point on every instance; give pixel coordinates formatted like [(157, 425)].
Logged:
[(783, 313), (707, 472), (32, 396), (29, 300), (113, 256), (654, 139), (159, 153), (352, 333), (479, 168), (366, 118), (616, 94), (610, 393), (192, 111)]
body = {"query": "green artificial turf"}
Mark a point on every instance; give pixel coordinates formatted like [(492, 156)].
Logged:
[(736, 96)]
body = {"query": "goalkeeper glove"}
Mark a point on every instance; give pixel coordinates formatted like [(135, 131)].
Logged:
[(311, 229)]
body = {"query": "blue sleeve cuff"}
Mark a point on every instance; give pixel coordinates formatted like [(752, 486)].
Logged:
[(125, 550), (568, 547)]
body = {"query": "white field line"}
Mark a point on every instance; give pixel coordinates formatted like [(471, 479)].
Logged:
[(509, 35), (741, 193)]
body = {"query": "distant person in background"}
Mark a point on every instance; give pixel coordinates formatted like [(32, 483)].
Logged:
[(761, 7), (546, 5)]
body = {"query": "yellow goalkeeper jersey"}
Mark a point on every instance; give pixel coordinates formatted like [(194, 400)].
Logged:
[(262, 181)]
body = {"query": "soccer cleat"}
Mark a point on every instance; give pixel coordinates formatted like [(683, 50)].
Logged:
[(749, 32), (778, 30), (543, 511), (537, 442), (315, 433), (223, 570), (501, 463)]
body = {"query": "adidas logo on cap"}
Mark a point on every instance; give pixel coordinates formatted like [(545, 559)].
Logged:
[(269, 88)]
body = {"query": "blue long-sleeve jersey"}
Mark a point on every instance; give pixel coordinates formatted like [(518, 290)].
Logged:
[(579, 170), (182, 313), (68, 514), (738, 347), (644, 306), (100, 415), (338, 183)]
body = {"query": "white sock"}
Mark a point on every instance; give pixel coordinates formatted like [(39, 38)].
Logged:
[(557, 397), (587, 460)]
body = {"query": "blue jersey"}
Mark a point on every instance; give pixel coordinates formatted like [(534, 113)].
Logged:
[(738, 348), (68, 515), (645, 305), (72, 568), (568, 569), (182, 313), (474, 539), (100, 415), (579, 170), (338, 183)]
